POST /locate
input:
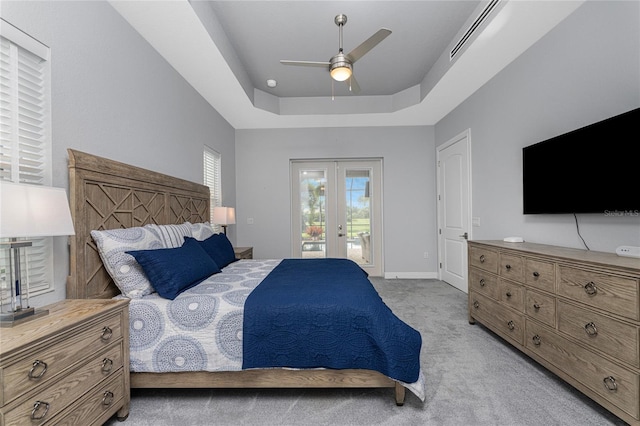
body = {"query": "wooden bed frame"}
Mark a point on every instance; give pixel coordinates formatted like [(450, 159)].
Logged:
[(106, 194)]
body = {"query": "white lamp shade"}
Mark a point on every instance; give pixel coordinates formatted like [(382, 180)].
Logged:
[(224, 215), (33, 211)]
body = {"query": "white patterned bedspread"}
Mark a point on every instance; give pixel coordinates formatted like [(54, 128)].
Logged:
[(201, 330)]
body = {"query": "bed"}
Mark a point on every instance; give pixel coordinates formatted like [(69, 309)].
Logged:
[(105, 195)]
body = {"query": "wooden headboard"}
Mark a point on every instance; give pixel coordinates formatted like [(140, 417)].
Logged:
[(106, 194)]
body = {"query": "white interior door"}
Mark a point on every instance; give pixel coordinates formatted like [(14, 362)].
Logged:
[(454, 210), (336, 211)]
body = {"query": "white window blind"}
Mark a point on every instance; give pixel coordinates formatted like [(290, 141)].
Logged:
[(212, 178), (25, 145)]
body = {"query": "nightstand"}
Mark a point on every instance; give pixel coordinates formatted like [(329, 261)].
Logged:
[(243, 252), (70, 366)]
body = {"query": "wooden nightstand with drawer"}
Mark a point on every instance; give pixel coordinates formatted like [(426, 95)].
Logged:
[(70, 366), (243, 252)]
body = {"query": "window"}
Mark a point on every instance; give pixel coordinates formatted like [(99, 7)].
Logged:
[(212, 178), (25, 143)]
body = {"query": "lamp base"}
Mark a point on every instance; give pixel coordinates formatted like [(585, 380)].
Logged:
[(10, 319)]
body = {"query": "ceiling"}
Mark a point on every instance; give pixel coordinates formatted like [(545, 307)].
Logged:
[(228, 49)]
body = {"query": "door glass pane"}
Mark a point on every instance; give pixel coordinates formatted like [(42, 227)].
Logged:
[(313, 213), (358, 220)]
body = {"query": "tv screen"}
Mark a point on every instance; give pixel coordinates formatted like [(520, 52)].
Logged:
[(595, 169)]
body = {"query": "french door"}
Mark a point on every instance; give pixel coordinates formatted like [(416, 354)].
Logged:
[(337, 211)]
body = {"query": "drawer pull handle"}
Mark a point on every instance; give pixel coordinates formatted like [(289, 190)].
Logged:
[(590, 288), (536, 340), (591, 329), (37, 365), (508, 294), (511, 325), (482, 282), (536, 306), (482, 258), (610, 383), (107, 398), (106, 333), (508, 267), (107, 365), (476, 304), (39, 406), (536, 274)]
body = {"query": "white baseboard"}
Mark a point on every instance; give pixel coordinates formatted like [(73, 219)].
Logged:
[(411, 275)]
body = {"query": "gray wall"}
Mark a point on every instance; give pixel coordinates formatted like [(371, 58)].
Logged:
[(585, 70), (114, 96), (262, 161)]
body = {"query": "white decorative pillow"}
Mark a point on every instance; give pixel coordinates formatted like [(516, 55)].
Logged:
[(201, 231), (172, 236), (123, 268)]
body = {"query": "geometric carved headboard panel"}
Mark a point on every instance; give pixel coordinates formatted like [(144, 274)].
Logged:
[(106, 194)]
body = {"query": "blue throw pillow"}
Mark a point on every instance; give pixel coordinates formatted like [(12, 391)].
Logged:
[(219, 248), (174, 270)]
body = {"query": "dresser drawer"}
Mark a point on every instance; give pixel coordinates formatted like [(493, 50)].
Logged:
[(598, 331), (540, 274), (512, 267), (101, 402), (586, 367), (540, 306), (484, 259), (500, 318), (483, 282), (511, 294), (34, 370), (612, 293), (62, 393)]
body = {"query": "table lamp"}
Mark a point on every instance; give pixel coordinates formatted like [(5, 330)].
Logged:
[(27, 211), (224, 216)]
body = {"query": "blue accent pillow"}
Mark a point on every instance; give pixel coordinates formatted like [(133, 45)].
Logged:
[(174, 270), (219, 248)]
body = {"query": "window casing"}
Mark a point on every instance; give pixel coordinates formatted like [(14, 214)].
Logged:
[(212, 178), (25, 134)]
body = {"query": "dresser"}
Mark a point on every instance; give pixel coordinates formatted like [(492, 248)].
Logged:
[(69, 367), (576, 312)]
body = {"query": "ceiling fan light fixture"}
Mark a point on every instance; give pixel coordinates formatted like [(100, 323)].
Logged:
[(341, 73)]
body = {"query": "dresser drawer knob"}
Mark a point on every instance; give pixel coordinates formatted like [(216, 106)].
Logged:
[(40, 409), (106, 333), (511, 325), (610, 383), (590, 288), (482, 282), (536, 274), (37, 369), (482, 258), (508, 294), (476, 304), (536, 340), (591, 329), (107, 398), (107, 365), (536, 306)]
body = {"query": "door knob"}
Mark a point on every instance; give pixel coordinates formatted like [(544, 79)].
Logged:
[(465, 235)]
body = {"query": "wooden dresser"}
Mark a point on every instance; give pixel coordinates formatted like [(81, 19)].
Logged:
[(574, 311), (243, 252), (68, 367)]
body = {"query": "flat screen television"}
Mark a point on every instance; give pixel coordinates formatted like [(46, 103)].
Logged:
[(594, 169)]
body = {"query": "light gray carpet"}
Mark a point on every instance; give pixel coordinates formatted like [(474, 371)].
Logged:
[(473, 378)]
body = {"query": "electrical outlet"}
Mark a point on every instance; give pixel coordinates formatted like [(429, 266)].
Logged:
[(628, 251), (249, 221), (426, 255)]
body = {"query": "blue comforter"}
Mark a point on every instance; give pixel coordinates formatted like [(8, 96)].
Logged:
[(324, 313)]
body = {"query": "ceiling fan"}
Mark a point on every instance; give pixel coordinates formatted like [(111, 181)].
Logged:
[(340, 66)]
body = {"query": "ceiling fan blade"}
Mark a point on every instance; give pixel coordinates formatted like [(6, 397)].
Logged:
[(306, 63), (368, 44), (354, 87)]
